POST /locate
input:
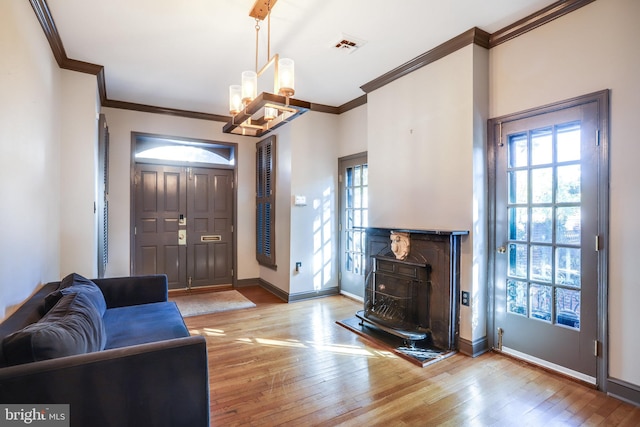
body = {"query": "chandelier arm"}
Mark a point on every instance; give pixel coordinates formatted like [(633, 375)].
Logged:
[(269, 29), (257, 37)]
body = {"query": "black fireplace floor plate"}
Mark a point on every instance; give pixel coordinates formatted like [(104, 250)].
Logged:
[(421, 354)]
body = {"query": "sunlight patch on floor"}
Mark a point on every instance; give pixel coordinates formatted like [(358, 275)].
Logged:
[(350, 350), (210, 332)]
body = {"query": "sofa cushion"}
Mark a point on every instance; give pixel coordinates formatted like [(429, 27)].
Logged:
[(73, 284), (72, 326), (138, 324)]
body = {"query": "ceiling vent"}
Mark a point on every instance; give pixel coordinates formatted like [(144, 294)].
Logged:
[(348, 44)]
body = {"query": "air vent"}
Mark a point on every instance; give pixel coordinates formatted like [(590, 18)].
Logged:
[(348, 44)]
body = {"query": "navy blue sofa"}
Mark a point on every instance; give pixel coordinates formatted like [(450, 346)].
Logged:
[(116, 350)]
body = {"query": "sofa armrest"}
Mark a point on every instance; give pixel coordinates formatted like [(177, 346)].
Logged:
[(164, 383), (134, 290)]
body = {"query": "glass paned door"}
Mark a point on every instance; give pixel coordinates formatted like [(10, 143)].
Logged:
[(544, 220), (354, 203), (547, 223)]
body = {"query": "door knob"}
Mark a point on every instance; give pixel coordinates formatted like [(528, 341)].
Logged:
[(502, 249)]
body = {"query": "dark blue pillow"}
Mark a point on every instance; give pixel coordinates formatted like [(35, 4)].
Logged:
[(73, 284), (72, 326)]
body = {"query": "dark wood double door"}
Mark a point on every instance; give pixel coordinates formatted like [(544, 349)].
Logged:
[(184, 224)]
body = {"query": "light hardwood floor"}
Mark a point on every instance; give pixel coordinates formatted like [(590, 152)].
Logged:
[(291, 364)]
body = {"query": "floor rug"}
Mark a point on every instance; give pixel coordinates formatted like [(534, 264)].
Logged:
[(422, 354), (212, 302)]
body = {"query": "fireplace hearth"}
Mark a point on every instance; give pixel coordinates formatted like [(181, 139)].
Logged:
[(412, 287)]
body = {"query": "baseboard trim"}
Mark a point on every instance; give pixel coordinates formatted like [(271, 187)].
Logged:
[(243, 283), (352, 296), (623, 390), (473, 348), (315, 294), (284, 296)]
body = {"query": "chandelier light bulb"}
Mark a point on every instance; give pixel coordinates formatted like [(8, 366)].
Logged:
[(235, 99), (270, 113), (249, 86), (286, 77)]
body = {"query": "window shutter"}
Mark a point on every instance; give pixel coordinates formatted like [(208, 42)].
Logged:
[(265, 202)]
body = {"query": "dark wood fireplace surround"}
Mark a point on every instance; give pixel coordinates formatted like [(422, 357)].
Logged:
[(416, 298)]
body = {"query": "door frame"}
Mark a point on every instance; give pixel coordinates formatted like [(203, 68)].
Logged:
[(177, 140), (601, 98)]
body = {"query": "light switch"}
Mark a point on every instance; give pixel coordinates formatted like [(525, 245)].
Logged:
[(299, 200)]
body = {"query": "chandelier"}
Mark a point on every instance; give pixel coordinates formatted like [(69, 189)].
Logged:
[(256, 115)]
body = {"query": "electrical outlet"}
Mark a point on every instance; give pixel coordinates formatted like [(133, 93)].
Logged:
[(465, 298)]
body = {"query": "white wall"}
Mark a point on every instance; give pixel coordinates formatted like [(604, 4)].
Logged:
[(425, 163), (78, 165), (121, 123), (352, 132), (29, 156), (307, 165), (314, 170), (593, 48)]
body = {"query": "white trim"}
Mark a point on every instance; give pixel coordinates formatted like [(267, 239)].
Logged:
[(561, 369)]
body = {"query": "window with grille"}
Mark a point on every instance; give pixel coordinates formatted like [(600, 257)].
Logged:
[(266, 202)]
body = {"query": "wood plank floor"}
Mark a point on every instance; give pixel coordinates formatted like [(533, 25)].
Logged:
[(291, 364)]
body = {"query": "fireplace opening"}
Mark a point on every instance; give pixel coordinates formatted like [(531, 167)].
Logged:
[(398, 294)]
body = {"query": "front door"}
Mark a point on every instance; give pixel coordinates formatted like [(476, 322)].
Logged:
[(184, 224), (548, 231)]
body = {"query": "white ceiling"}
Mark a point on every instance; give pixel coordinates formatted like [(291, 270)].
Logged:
[(184, 54)]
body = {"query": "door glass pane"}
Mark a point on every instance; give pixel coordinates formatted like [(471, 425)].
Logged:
[(541, 257), (568, 225), (540, 300), (542, 185), (568, 184), (357, 197), (356, 176), (518, 186), (568, 267), (518, 152), (518, 260), (348, 181), (517, 297), (568, 137), (568, 308), (518, 224), (541, 225), (541, 147)]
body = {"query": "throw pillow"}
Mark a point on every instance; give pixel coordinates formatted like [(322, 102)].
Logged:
[(72, 326), (75, 283)]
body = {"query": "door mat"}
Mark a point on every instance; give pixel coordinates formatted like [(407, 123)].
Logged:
[(211, 302), (422, 354)]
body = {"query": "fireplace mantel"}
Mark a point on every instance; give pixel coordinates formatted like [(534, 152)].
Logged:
[(440, 251)]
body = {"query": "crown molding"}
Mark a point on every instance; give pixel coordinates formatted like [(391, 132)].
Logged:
[(535, 20), (354, 103), (41, 9), (162, 110), (473, 36)]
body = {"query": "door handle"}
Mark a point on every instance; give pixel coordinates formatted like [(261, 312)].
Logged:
[(501, 249), (182, 237)]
